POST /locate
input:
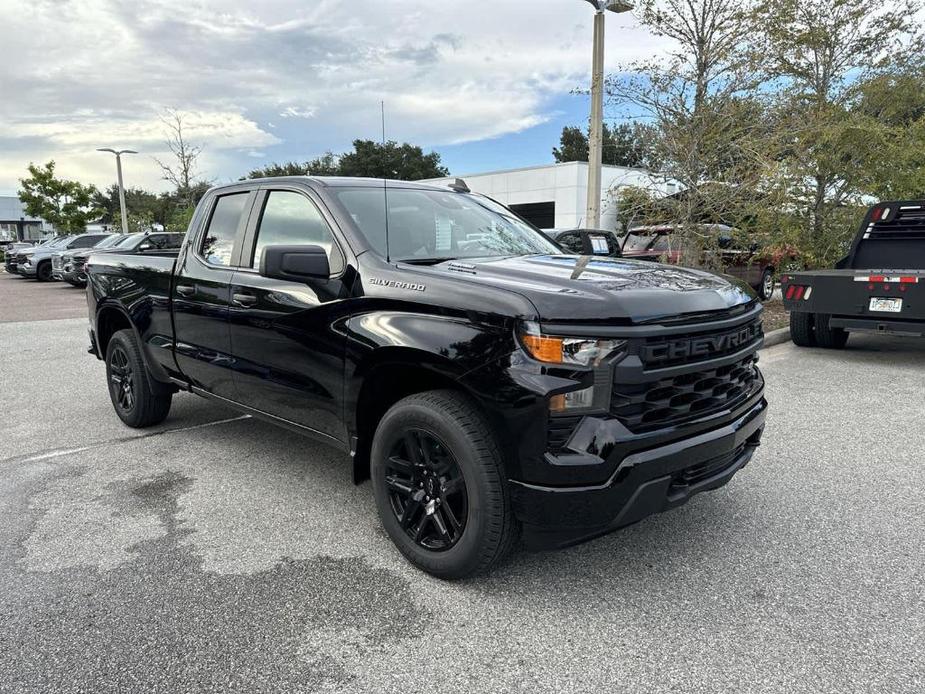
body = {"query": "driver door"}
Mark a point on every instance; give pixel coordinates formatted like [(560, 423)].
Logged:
[(289, 358)]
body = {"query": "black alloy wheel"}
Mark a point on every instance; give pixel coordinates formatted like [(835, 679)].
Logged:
[(138, 399), (121, 380), (440, 485), (427, 491)]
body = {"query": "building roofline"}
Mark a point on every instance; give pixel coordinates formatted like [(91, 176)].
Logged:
[(539, 166)]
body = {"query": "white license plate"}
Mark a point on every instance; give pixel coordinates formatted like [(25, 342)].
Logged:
[(886, 305)]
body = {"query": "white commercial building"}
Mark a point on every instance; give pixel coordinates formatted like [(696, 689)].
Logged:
[(16, 225), (556, 195)]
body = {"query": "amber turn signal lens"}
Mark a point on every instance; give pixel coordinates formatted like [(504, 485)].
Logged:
[(548, 349), (557, 403)]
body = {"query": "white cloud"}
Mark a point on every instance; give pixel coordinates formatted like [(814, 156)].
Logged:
[(95, 73), (296, 112)]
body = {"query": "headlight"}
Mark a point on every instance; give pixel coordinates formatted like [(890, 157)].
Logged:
[(579, 351)]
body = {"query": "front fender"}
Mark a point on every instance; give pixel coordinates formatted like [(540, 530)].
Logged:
[(448, 347)]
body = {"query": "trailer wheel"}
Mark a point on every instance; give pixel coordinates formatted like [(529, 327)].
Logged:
[(830, 338), (801, 329)]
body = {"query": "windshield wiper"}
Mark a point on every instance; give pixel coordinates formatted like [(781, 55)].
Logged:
[(425, 261)]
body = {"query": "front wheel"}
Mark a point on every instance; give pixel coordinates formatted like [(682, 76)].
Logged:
[(138, 399), (43, 271), (439, 483)]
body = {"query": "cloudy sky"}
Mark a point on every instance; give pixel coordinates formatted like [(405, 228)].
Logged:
[(484, 82)]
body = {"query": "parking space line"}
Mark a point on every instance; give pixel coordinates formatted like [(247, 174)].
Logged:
[(59, 452)]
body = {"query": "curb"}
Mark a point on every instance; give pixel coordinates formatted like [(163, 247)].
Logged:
[(776, 337)]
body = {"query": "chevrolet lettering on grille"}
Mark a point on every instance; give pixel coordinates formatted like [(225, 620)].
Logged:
[(694, 347)]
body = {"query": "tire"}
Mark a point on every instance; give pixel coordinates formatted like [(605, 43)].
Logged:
[(435, 460), (827, 337), (766, 288), (801, 329), (43, 271), (137, 398)]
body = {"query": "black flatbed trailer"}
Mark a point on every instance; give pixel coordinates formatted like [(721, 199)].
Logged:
[(878, 287)]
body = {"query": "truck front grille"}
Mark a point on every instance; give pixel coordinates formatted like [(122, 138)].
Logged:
[(678, 399)]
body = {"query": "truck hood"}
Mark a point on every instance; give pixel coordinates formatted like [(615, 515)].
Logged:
[(567, 288)]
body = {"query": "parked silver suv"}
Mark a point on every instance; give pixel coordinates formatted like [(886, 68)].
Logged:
[(36, 262)]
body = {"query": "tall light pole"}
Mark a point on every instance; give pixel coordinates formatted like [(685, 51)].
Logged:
[(595, 141), (121, 187)]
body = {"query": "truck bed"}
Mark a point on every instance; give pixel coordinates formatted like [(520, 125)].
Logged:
[(880, 285)]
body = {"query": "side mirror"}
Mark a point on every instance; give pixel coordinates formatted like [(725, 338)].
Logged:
[(145, 246), (295, 263)]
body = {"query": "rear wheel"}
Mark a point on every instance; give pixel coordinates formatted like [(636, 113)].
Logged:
[(43, 271), (801, 329), (138, 399), (439, 483), (766, 288), (828, 337)]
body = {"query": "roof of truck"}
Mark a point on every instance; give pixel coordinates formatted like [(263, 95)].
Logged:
[(354, 182)]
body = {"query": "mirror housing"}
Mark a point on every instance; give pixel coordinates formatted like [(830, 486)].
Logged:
[(295, 263)]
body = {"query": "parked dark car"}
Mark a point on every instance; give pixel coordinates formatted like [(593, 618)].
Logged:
[(879, 287), (661, 243), (489, 384), (586, 241), (138, 243)]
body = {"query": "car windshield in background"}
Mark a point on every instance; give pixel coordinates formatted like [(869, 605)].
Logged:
[(130, 240), (428, 226), (110, 241), (647, 242)]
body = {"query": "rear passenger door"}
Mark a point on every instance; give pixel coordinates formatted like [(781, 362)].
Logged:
[(202, 292), (289, 357)]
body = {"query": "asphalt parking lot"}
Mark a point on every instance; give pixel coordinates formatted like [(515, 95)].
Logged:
[(217, 553), (24, 299)]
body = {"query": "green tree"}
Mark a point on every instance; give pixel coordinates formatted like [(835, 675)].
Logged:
[(404, 161), (369, 159), (824, 52), (325, 165), (67, 205), (709, 124), (142, 208), (623, 145)]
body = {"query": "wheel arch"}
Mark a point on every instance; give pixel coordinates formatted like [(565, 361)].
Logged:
[(110, 318), (387, 376)]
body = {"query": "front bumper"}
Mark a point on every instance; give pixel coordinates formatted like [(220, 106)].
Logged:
[(26, 270), (644, 483)]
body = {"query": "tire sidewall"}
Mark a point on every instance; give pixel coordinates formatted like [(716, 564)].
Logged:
[(465, 555), (763, 294), (43, 271)]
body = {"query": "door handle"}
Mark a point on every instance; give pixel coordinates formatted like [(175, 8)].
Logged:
[(185, 290), (243, 299)]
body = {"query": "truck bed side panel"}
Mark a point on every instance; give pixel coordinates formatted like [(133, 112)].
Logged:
[(140, 286)]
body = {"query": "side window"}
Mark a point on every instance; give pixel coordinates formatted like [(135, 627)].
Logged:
[(290, 218), (571, 243), (173, 240), (218, 241)]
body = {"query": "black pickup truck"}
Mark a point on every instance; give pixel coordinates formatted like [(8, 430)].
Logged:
[(878, 287), (490, 385)]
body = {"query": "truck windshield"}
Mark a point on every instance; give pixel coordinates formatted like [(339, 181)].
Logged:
[(432, 225)]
